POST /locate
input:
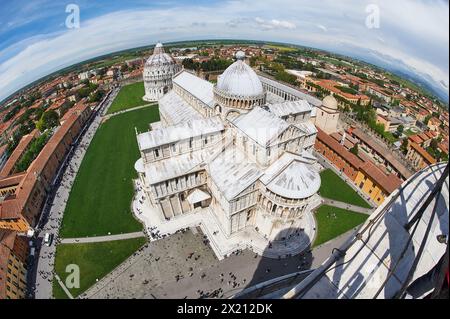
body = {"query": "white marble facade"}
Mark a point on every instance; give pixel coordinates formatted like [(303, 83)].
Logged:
[(242, 147), (159, 69)]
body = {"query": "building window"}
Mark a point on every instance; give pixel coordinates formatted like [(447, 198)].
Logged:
[(157, 153)]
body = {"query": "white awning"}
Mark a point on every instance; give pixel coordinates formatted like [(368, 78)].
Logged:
[(197, 196)]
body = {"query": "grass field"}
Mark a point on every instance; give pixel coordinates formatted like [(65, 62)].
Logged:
[(329, 227), (333, 187), (129, 96), (95, 260), (281, 48), (100, 199)]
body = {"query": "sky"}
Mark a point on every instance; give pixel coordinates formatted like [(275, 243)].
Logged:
[(411, 36)]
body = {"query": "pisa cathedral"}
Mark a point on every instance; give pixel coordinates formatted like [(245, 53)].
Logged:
[(239, 152)]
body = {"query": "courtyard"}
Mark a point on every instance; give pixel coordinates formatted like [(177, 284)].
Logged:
[(184, 266)]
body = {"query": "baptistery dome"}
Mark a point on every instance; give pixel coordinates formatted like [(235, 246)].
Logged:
[(158, 72)]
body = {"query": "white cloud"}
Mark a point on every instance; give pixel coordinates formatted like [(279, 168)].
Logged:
[(322, 27), (413, 32), (274, 24)]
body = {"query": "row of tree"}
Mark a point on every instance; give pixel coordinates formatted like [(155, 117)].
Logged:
[(214, 64)]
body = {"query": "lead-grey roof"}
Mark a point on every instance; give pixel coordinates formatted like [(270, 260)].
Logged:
[(175, 110), (175, 166), (303, 96), (201, 89), (233, 172), (290, 108), (260, 125), (179, 132)]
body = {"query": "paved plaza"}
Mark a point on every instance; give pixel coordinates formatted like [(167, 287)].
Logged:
[(184, 266), (222, 245)]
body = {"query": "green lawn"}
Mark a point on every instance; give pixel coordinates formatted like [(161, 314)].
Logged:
[(101, 196), (95, 260), (333, 187), (409, 132), (281, 48), (129, 96), (329, 227)]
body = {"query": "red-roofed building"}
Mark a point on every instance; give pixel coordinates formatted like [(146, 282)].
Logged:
[(332, 86), (418, 156), (372, 181), (433, 124), (338, 155), (21, 210), (13, 265)]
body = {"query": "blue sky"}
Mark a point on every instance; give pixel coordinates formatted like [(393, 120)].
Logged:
[(412, 37)]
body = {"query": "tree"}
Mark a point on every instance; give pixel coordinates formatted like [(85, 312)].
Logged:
[(96, 96), (354, 149), (434, 144), (427, 119), (400, 129), (48, 120), (404, 146)]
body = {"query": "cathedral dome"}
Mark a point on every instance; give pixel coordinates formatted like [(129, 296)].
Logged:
[(330, 102), (239, 79)]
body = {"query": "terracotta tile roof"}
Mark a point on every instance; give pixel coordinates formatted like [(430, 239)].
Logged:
[(3, 149), (379, 149), (348, 140), (443, 147), (57, 104), (12, 206), (37, 104), (12, 180), (423, 136), (430, 134), (423, 153), (416, 139), (339, 149), (388, 183), (7, 240), (17, 153)]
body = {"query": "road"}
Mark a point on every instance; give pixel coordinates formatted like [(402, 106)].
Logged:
[(44, 270)]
